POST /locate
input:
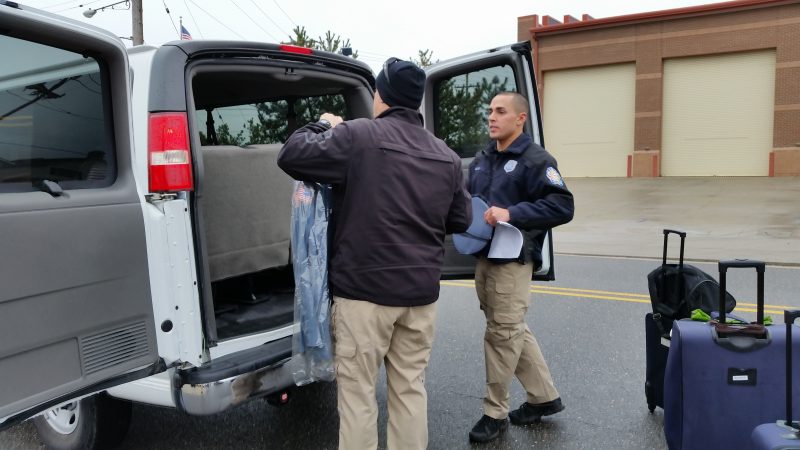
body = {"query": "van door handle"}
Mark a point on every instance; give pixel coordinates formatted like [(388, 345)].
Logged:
[(51, 187)]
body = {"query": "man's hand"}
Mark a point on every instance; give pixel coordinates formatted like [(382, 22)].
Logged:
[(334, 120), (495, 214)]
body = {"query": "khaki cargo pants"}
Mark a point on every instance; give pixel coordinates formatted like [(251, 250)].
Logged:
[(509, 346), (367, 335)]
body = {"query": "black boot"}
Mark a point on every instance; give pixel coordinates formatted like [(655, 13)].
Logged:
[(487, 429), (529, 413)]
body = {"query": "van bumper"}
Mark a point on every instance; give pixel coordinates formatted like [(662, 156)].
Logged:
[(234, 379)]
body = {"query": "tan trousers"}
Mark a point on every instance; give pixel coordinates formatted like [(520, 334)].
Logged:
[(367, 334), (509, 346)]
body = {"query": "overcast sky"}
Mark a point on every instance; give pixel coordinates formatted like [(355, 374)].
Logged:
[(376, 29)]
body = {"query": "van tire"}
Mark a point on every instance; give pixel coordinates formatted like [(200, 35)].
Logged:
[(95, 422)]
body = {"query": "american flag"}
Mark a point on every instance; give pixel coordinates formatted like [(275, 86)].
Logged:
[(185, 36), (302, 194)]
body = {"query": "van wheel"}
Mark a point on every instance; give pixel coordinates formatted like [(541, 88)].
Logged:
[(94, 422)]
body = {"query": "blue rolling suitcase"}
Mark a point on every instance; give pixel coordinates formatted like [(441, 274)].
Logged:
[(783, 434), (722, 381)]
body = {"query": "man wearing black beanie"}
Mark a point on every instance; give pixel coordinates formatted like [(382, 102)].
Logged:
[(397, 190)]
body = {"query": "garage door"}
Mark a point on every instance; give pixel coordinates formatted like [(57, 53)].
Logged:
[(718, 114), (589, 119)]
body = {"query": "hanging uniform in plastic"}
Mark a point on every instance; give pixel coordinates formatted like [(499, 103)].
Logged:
[(312, 350)]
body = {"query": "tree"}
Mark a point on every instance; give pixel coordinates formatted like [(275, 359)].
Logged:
[(301, 38), (461, 117), (424, 58), (332, 42)]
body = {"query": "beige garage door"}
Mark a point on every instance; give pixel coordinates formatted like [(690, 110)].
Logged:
[(718, 114), (589, 119)]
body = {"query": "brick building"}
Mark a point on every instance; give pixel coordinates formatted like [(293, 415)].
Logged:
[(711, 90)]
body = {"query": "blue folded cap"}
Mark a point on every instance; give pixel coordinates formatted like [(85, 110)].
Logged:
[(479, 232)]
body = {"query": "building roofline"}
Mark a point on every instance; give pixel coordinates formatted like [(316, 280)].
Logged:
[(674, 13)]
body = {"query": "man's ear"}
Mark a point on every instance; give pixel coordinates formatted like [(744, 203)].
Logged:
[(522, 117)]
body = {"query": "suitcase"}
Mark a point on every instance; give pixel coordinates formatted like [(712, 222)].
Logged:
[(783, 434), (657, 330), (675, 290), (722, 381), (656, 358)]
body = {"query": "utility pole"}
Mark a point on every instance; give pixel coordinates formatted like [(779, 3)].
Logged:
[(138, 24)]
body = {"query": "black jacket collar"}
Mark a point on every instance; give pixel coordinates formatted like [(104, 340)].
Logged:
[(411, 116)]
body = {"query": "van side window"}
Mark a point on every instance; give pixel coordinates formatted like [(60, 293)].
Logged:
[(55, 119), (462, 101), (268, 122)]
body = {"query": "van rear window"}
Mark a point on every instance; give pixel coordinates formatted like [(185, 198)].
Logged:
[(266, 122), (55, 119)]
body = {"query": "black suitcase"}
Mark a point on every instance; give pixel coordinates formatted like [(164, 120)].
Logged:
[(657, 353), (656, 331), (675, 291)]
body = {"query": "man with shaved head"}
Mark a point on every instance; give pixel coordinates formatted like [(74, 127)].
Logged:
[(520, 182)]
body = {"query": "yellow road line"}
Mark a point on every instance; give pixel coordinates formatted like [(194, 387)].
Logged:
[(614, 296), (558, 289)]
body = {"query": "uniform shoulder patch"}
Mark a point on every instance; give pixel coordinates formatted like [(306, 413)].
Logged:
[(554, 177)]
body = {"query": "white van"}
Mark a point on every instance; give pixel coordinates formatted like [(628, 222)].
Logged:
[(145, 252)]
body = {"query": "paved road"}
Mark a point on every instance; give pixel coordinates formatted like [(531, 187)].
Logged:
[(589, 324)]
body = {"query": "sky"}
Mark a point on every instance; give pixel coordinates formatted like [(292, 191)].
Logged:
[(376, 29)]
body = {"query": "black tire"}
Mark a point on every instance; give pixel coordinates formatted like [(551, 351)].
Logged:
[(102, 422)]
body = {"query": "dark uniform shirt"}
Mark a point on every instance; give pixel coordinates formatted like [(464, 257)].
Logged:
[(528, 185)]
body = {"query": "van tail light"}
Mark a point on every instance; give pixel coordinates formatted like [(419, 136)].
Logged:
[(169, 161)]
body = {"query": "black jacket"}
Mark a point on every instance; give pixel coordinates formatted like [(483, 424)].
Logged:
[(525, 180), (397, 190)]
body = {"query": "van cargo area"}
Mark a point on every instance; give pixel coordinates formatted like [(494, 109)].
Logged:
[(242, 202)]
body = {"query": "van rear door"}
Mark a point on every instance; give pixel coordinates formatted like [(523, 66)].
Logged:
[(75, 305), (457, 96)]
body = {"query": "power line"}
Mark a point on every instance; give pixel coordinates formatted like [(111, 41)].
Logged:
[(377, 55), (197, 26), (170, 18), (284, 12), (54, 5), (269, 18), (217, 20), (76, 7), (252, 20)]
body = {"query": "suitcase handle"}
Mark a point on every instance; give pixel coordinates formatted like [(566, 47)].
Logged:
[(789, 317), (741, 264), (667, 232)]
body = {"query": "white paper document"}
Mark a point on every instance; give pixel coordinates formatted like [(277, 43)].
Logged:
[(506, 242)]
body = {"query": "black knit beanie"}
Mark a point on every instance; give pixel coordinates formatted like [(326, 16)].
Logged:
[(401, 83)]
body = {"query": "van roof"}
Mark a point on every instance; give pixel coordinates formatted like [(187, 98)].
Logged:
[(202, 47)]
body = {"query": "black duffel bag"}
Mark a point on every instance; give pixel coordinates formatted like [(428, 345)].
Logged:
[(676, 291)]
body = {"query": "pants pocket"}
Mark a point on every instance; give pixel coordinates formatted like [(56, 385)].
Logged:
[(346, 365)]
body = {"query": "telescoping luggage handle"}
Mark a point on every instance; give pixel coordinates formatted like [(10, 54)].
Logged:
[(789, 317), (666, 237), (742, 264)]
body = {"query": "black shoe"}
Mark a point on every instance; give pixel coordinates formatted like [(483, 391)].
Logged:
[(487, 429), (529, 413)]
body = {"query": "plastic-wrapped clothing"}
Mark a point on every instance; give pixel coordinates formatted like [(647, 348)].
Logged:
[(312, 346)]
